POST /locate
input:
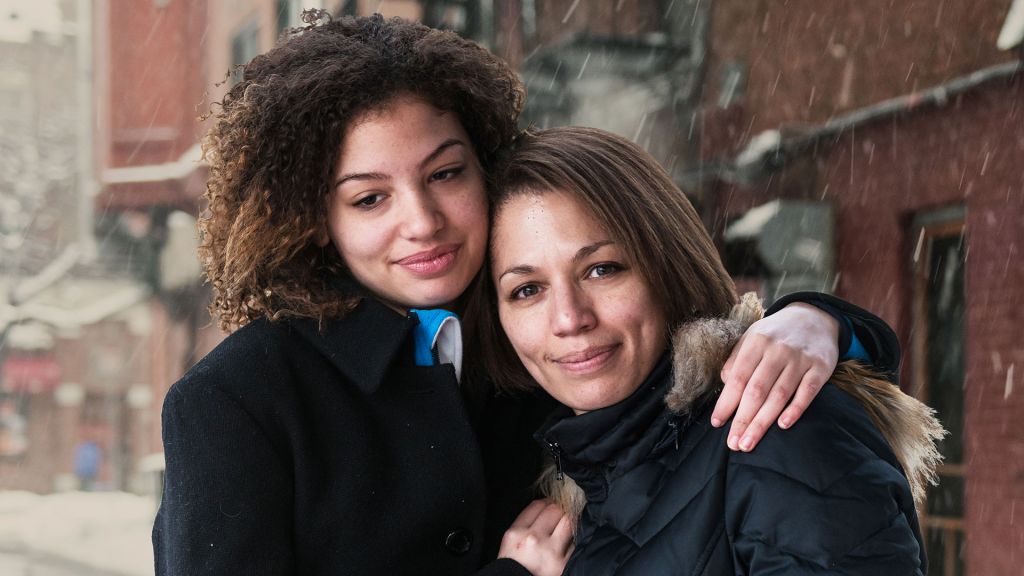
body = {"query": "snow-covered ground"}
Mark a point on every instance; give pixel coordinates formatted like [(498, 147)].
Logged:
[(86, 533)]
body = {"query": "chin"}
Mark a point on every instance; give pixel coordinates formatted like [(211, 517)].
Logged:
[(439, 299), (581, 405)]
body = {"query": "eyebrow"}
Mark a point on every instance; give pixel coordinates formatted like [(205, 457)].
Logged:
[(358, 176), (589, 249), (582, 253)]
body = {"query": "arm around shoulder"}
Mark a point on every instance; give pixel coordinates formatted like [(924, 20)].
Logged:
[(876, 336)]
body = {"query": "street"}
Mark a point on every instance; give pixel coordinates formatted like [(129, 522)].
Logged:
[(75, 533), (25, 564)]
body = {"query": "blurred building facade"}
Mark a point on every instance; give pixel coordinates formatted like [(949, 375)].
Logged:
[(103, 303), (68, 315)]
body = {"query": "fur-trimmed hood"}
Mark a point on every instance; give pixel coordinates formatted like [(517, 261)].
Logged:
[(700, 348)]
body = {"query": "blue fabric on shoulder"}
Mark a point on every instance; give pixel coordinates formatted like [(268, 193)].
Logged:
[(437, 339), (425, 333), (856, 351)]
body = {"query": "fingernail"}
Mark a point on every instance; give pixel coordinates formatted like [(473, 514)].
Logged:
[(746, 443), (784, 422), (716, 422), (733, 441)]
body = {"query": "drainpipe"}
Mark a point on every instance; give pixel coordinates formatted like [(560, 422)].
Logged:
[(86, 177)]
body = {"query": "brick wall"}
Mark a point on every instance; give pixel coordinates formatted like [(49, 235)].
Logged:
[(968, 153), (879, 176), (156, 81), (807, 62)]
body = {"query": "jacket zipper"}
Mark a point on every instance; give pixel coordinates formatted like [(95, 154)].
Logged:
[(556, 454), (674, 425)]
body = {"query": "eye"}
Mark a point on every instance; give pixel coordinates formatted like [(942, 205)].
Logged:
[(604, 269), (369, 201), (525, 291), (446, 174)]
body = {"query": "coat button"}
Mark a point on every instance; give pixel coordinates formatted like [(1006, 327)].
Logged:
[(459, 542)]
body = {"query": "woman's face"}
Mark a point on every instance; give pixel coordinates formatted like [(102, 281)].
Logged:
[(408, 212), (581, 318)]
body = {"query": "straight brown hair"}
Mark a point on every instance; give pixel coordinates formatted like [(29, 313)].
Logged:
[(632, 197)]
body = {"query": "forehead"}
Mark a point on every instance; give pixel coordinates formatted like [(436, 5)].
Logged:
[(405, 125), (563, 203), (543, 220)]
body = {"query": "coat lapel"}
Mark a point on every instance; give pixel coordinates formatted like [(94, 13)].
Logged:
[(365, 361)]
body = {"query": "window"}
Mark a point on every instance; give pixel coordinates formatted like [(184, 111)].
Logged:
[(286, 16), (470, 18), (245, 45), (348, 8), (289, 12), (937, 355)]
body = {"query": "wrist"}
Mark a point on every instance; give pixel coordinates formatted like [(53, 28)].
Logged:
[(834, 321)]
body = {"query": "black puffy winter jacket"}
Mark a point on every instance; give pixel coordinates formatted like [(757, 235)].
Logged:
[(664, 495)]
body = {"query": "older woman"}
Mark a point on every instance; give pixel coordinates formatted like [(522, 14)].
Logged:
[(612, 297)]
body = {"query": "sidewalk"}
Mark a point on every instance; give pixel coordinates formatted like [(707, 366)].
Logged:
[(101, 533)]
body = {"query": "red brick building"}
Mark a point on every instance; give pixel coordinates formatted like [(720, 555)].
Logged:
[(150, 84), (926, 196), (946, 183)]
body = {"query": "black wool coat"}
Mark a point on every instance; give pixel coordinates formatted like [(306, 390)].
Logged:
[(294, 452)]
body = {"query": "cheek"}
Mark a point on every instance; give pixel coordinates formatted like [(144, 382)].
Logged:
[(355, 243), (517, 329), (654, 334), (478, 229), (472, 213), (648, 325)]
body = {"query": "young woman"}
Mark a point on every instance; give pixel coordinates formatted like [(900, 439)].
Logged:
[(612, 297), (333, 430)]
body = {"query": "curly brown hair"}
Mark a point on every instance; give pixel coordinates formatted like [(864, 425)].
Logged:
[(277, 135)]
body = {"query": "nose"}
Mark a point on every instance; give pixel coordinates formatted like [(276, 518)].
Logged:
[(422, 216), (571, 311)]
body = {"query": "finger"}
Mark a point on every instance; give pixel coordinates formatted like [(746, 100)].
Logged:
[(754, 394), (529, 514), (737, 370), (811, 383), (562, 534), (547, 520), (748, 352), (727, 402), (729, 398), (727, 367), (774, 404)]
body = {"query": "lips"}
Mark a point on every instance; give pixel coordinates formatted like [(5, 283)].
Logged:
[(432, 262), (588, 360)]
